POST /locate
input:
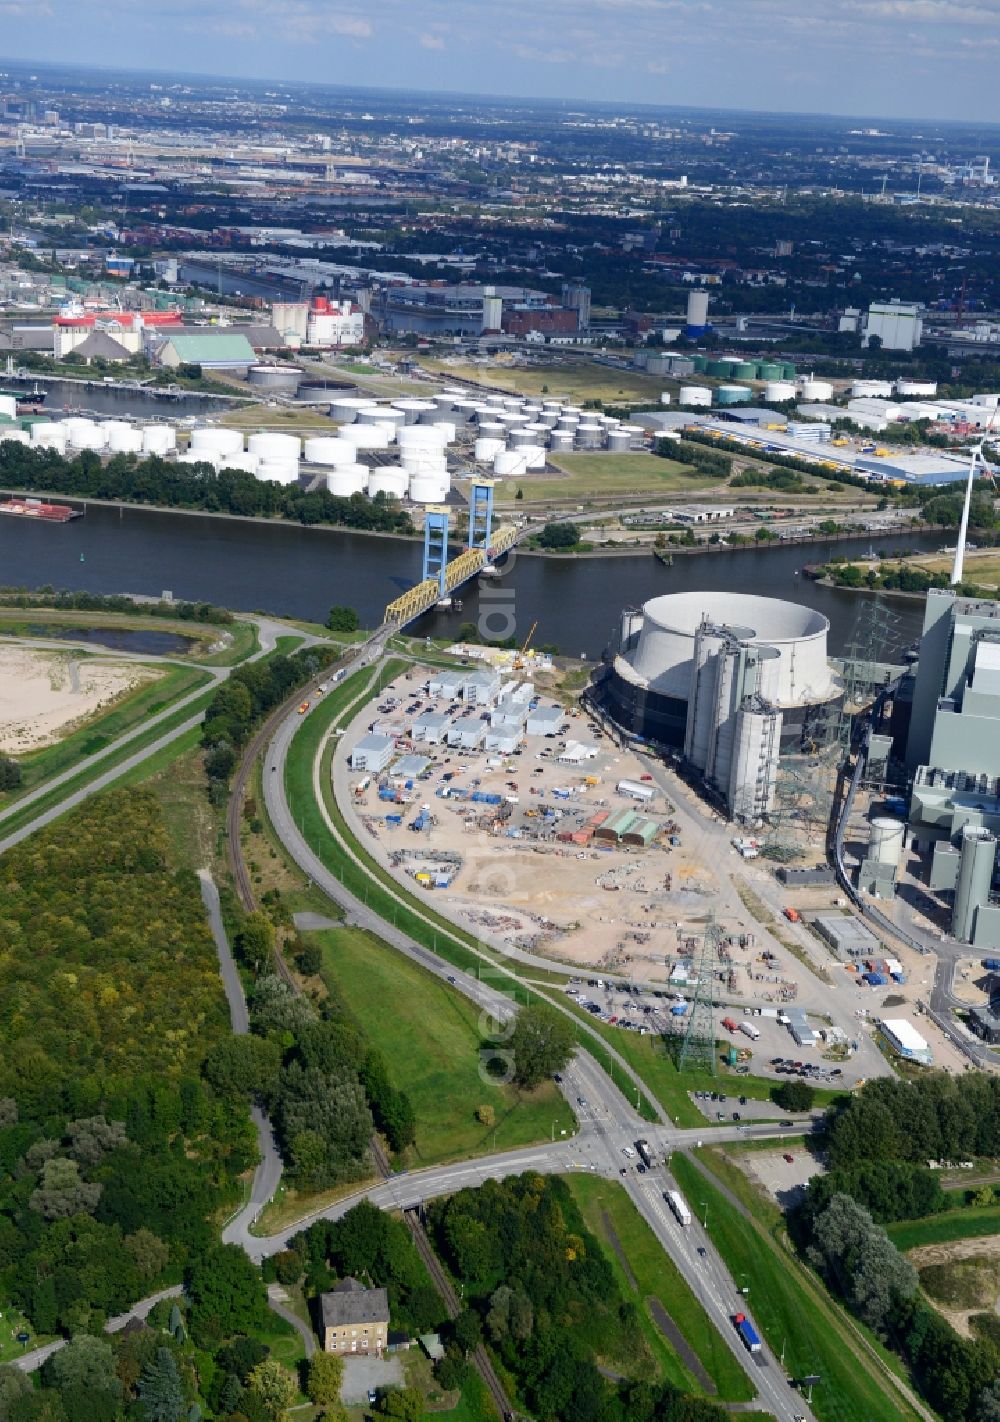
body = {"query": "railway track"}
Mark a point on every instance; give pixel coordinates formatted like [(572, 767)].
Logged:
[(480, 1358)]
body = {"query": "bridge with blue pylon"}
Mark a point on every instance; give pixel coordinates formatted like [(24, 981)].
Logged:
[(440, 577)]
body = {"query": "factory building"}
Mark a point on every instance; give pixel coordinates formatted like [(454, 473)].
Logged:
[(732, 682), (898, 325), (953, 750)]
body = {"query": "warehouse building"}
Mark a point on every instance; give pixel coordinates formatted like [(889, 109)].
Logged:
[(847, 935), (431, 727), (904, 1038), (545, 720), (732, 681)]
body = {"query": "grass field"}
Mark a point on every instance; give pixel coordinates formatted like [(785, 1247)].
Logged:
[(604, 475), (429, 1036), (571, 381), (794, 1313), (981, 568), (970, 1223), (603, 1204), (262, 417)]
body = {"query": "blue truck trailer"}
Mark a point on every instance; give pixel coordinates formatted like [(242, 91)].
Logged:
[(747, 1332)]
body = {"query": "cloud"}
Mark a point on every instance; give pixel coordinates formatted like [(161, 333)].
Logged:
[(429, 41)]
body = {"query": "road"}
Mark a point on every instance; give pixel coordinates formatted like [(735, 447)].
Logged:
[(28, 1362)]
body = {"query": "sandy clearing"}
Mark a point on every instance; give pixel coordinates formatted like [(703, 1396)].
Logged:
[(44, 695)]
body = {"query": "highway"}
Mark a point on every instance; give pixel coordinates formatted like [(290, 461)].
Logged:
[(608, 1122)]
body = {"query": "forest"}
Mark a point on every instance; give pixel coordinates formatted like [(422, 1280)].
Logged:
[(878, 1144), (190, 486), (114, 1150)]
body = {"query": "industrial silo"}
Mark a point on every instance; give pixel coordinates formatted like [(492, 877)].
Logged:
[(493, 430), (382, 415), (975, 879), (718, 366), (510, 462), (811, 389), (636, 434), (769, 370), (214, 439), (777, 392), (49, 434), (158, 439), (886, 840), (619, 441), (422, 437), (744, 370), (446, 430), (244, 462), (124, 439), (561, 441), (733, 394), (514, 403), (700, 363), (549, 418), (414, 410), (534, 455), (278, 470), (589, 436), (428, 489), (366, 436), (486, 449), (520, 439), (788, 370)]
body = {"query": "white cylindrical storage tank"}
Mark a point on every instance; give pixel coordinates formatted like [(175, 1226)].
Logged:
[(422, 437), (423, 461), (776, 392), (694, 395), (348, 479), (493, 430), (345, 408), (495, 401), (214, 440), (568, 422), (158, 439), (277, 468), (520, 439), (589, 436), (549, 418), (619, 441), (454, 392), (244, 462), (811, 389), (49, 435), (486, 450), (665, 397), (572, 410), (110, 426), (125, 439), (537, 429), (447, 430), (413, 410), (514, 403), (464, 411), (366, 436), (561, 441), (428, 489), (887, 838), (871, 389), (510, 461), (535, 455), (382, 415), (328, 449), (395, 482), (15, 436), (532, 409), (271, 445), (916, 387), (79, 432)]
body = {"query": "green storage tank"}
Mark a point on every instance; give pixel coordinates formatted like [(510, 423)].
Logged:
[(700, 363), (744, 370), (26, 421), (787, 370), (733, 394), (717, 367), (770, 370)]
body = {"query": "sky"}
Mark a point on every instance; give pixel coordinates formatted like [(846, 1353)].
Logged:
[(923, 59)]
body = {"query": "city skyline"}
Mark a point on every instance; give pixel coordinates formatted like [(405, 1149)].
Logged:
[(884, 58)]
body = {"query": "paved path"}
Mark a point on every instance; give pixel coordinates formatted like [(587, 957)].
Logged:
[(28, 1362), (277, 1300)]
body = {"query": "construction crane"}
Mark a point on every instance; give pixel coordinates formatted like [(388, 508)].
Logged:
[(519, 660)]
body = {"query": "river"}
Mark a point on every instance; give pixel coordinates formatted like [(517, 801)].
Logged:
[(70, 397), (299, 572)]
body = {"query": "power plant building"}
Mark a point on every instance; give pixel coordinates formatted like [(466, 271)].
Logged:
[(733, 682)]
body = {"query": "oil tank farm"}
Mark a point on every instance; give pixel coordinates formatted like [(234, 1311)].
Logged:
[(731, 681)]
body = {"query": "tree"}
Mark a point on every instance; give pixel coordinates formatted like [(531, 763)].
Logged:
[(10, 773), (326, 1373), (989, 1403), (467, 1330), (793, 1096), (309, 959), (273, 1386), (61, 1192), (540, 1045), (86, 1363), (559, 535), (343, 619), (160, 1391), (150, 1254), (405, 1403), (226, 1293), (486, 1115), (13, 1385), (240, 1066)]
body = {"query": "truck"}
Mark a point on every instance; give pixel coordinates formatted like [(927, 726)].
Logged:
[(729, 1024), (992, 965), (645, 1154), (676, 1202), (792, 914), (749, 1030), (748, 1334)]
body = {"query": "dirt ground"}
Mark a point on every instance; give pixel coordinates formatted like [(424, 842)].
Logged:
[(985, 1249), (44, 695)]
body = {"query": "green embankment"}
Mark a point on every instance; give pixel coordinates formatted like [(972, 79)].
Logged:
[(970, 1223), (793, 1311), (612, 1217), (429, 1036), (367, 880)]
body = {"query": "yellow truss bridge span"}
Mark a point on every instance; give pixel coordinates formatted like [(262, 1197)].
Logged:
[(422, 597)]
